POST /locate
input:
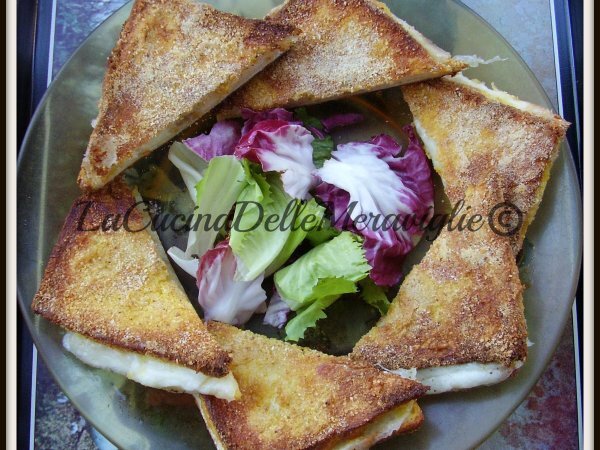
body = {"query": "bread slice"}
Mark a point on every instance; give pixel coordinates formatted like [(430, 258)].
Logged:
[(346, 47), (298, 398), (473, 133), (458, 319), (117, 289), (174, 61)]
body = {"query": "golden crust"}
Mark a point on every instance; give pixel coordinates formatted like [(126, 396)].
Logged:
[(174, 61), (346, 47), (471, 136), (297, 398), (462, 303), (413, 422), (117, 287), (410, 424)]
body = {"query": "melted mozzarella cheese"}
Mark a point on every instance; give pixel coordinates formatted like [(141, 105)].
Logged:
[(381, 428), (150, 371), (458, 377), (501, 96)]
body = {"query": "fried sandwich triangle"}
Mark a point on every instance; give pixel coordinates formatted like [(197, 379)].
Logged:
[(174, 61), (458, 319), (297, 398), (473, 133), (346, 47), (121, 303)]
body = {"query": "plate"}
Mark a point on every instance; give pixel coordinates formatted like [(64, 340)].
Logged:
[(130, 415)]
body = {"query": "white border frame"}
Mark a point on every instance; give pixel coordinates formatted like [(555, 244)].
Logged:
[(34, 353), (559, 92)]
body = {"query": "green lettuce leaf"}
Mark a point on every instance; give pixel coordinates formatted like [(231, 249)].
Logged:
[(330, 269), (322, 149), (323, 233), (221, 185), (247, 210), (307, 119), (374, 295), (308, 218), (307, 318), (255, 242)]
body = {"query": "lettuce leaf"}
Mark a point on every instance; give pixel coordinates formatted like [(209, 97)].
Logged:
[(322, 149), (324, 232), (347, 267), (254, 241), (331, 269), (218, 190), (374, 295), (308, 217), (308, 120), (190, 165), (258, 246), (307, 318), (188, 263), (320, 128), (247, 206)]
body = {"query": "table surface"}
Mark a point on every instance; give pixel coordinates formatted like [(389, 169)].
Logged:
[(548, 416)]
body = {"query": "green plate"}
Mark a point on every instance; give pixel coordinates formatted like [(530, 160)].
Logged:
[(128, 414)]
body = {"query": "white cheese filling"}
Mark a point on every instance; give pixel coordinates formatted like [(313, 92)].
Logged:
[(381, 428), (458, 377), (150, 371), (495, 94)]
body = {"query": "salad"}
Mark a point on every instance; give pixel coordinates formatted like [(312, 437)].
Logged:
[(276, 199)]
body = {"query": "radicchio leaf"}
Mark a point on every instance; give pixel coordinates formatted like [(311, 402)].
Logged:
[(277, 311), (282, 147), (388, 198), (221, 140), (221, 295), (342, 120), (251, 117)]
